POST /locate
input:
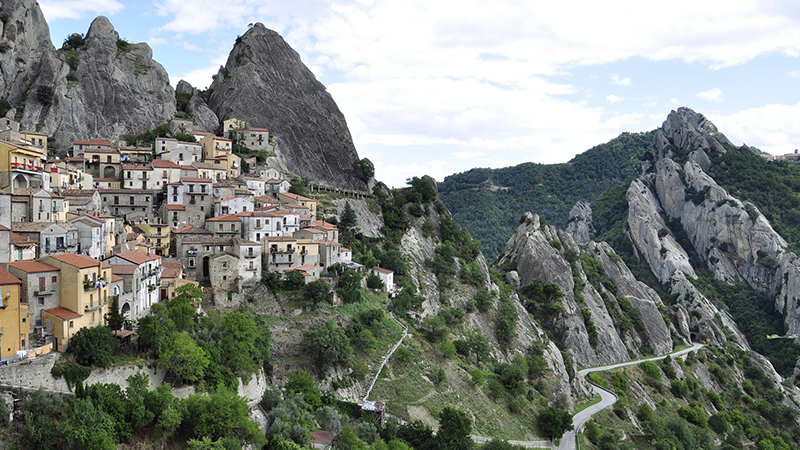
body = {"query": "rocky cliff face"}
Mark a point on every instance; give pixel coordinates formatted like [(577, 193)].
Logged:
[(117, 88), (204, 117), (733, 238), (265, 83), (25, 48), (543, 253), (102, 88)]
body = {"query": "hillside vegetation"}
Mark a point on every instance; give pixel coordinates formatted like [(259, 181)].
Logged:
[(489, 202)]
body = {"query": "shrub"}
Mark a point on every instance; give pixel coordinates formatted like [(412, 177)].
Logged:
[(93, 346), (651, 370), (45, 94)]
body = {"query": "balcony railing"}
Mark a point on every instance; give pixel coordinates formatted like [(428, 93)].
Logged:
[(43, 292), (250, 255), (191, 251), (252, 269), (90, 286), (89, 308)]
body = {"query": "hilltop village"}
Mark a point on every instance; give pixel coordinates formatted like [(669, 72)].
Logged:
[(128, 225)]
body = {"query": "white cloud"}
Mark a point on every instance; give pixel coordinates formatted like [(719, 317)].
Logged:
[(793, 74), (154, 41), (713, 95), (620, 81), (613, 99), (201, 77), (772, 128), (76, 9)]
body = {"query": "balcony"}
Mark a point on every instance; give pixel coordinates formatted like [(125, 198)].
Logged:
[(250, 255), (287, 251), (90, 308), (43, 292), (90, 285), (191, 251), (252, 269)]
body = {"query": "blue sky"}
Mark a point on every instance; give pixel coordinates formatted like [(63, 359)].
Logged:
[(441, 87)]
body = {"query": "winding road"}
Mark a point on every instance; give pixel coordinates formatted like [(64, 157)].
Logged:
[(607, 398)]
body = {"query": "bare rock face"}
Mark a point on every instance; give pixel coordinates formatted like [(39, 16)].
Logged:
[(538, 259), (580, 223), (204, 118), (265, 83), (117, 88), (732, 237), (25, 37)]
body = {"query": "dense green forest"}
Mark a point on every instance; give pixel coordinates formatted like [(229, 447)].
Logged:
[(491, 214)]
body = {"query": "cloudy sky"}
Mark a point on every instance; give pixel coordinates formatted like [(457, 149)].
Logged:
[(441, 87)]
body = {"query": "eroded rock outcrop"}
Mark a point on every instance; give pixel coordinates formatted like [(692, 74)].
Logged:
[(732, 237), (580, 223), (115, 88), (542, 253), (265, 83), (203, 117)]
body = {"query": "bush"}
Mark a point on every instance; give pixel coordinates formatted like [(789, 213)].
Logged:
[(651, 370), (93, 346), (45, 94)]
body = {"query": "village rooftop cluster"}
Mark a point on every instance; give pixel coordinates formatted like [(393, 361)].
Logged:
[(130, 223)]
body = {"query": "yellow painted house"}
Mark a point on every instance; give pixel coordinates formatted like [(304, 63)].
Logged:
[(15, 321), (157, 235), (22, 166), (84, 296)]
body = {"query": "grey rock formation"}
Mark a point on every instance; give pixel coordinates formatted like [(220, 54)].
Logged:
[(265, 83), (204, 118), (580, 223), (538, 260), (734, 239), (117, 88), (368, 222), (25, 36)]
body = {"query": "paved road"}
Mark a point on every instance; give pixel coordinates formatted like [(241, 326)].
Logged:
[(607, 398)]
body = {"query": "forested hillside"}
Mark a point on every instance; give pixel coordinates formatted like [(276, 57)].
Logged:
[(489, 202)]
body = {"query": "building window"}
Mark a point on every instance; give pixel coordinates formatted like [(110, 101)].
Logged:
[(224, 264), (71, 324), (191, 262), (24, 319), (40, 301)]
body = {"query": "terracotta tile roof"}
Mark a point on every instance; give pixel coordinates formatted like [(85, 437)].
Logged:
[(197, 180), (138, 256), (225, 218), (382, 270), (32, 266), (127, 191), (280, 239), (257, 129), (136, 168), (21, 241), (78, 192), (3, 228), (79, 261), (208, 240), (115, 277), (175, 207), (164, 164), (7, 278), (62, 313), (191, 229), (31, 227), (123, 269), (200, 165), (93, 141)]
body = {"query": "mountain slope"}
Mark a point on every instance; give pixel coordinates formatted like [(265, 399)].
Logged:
[(489, 202)]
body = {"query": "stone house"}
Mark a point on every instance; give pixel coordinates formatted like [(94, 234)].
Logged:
[(40, 289), (83, 200), (259, 224), (138, 177), (280, 253), (21, 248), (102, 162), (80, 148), (91, 235), (249, 255), (253, 138), (51, 237), (332, 252), (141, 272), (288, 197), (387, 278), (232, 205), (127, 202), (228, 225)]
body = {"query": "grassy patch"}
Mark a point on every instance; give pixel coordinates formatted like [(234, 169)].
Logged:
[(581, 406)]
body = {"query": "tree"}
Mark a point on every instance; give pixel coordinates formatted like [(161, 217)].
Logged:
[(348, 440), (293, 280), (303, 383), (348, 218), (223, 414), (553, 422), (155, 330), (454, 432), (478, 344), (73, 42), (328, 344), (93, 346), (114, 318), (238, 349), (374, 281), (45, 94), (185, 137), (317, 291), (367, 169), (184, 359)]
